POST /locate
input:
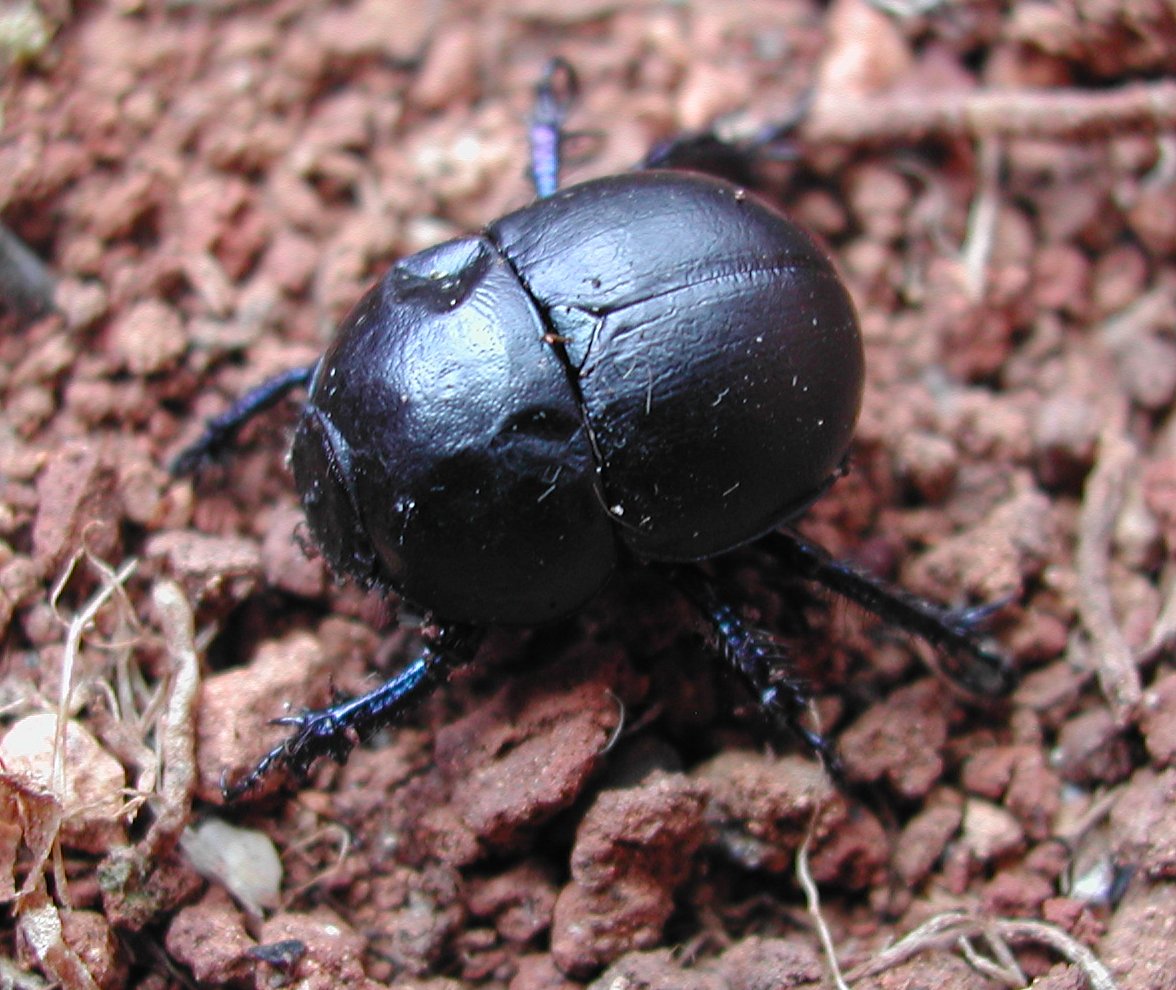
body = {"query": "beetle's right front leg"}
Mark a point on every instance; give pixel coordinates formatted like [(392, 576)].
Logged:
[(335, 731)]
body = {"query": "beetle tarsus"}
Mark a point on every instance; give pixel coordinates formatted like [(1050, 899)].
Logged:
[(336, 730), (221, 431)]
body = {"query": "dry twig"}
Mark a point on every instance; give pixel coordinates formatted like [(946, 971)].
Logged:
[(178, 726), (1163, 634), (1010, 113), (1101, 504), (41, 926), (112, 585), (813, 899), (977, 247)]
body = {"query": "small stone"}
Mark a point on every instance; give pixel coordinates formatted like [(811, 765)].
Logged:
[(989, 831), (1158, 720), (148, 338), (92, 797), (210, 939)]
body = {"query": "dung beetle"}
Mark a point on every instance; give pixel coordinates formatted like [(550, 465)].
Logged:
[(649, 367)]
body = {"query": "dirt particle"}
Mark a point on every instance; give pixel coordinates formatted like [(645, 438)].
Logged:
[(1091, 749), (210, 939), (989, 831), (90, 935), (528, 753), (633, 848), (148, 338), (1143, 823), (77, 506), (91, 797), (925, 838), (899, 740), (237, 706), (332, 949)]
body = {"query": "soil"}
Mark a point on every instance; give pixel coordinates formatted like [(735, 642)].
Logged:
[(193, 195)]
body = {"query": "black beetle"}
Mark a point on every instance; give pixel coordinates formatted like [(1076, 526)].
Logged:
[(652, 366)]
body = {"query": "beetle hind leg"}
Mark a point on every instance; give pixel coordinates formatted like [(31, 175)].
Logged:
[(763, 663), (334, 731), (955, 633)]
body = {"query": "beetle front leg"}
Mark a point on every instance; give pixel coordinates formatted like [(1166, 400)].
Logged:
[(335, 731), (763, 663), (220, 431), (953, 632)]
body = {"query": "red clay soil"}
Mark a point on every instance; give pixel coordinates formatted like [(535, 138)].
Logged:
[(192, 196)]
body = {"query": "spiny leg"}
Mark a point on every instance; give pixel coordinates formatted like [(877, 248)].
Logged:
[(763, 663), (335, 731), (220, 431), (554, 96), (953, 632)]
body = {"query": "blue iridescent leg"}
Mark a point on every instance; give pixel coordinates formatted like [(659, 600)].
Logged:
[(336, 730), (220, 431), (762, 662), (554, 97)]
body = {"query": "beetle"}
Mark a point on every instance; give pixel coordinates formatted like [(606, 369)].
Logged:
[(647, 367)]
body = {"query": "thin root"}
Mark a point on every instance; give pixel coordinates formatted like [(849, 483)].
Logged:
[(951, 928), (812, 898)]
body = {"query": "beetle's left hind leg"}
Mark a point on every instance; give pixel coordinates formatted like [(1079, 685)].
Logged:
[(762, 662), (220, 431), (334, 731)]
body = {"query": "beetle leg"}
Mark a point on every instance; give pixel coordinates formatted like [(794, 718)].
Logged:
[(220, 431), (763, 663), (335, 730), (736, 161), (554, 97), (967, 661), (707, 153)]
